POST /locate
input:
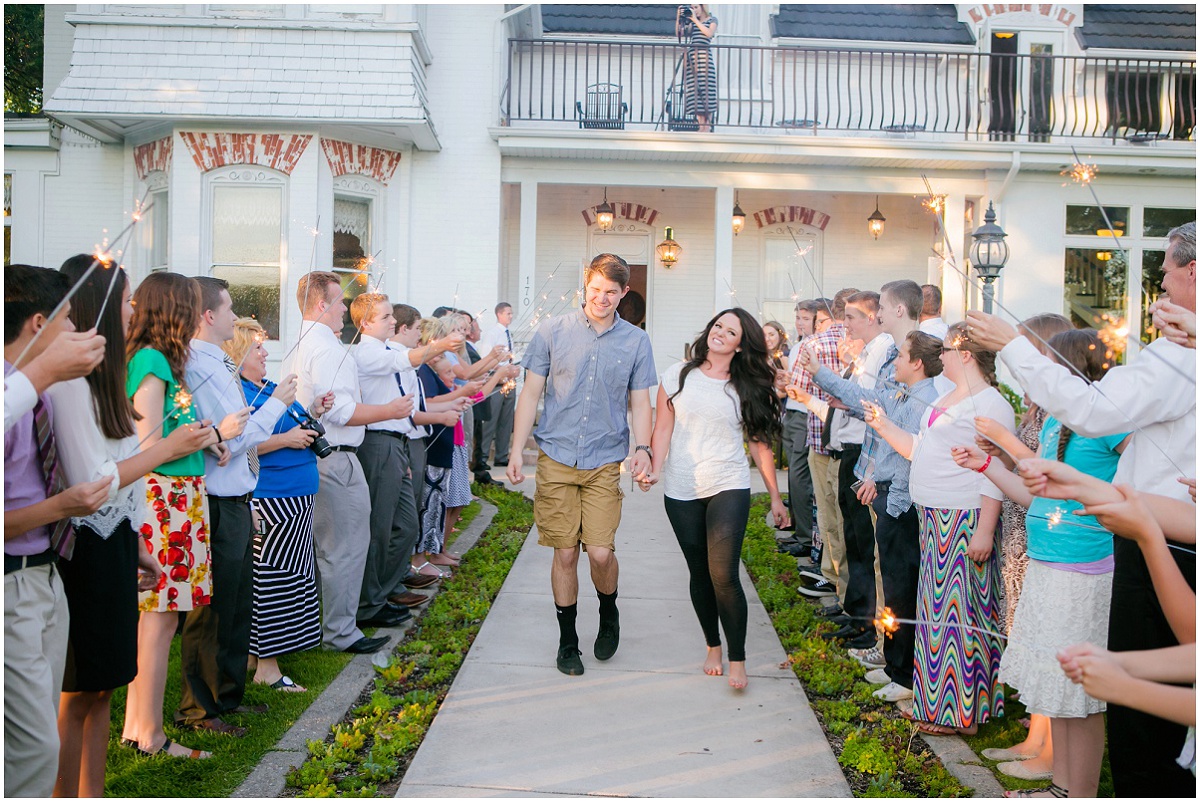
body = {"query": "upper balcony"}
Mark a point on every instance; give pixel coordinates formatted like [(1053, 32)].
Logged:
[(885, 95)]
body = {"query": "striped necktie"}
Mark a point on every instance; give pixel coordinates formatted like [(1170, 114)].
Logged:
[(62, 534), (252, 451)]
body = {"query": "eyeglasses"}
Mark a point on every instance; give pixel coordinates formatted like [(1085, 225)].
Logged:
[(946, 348)]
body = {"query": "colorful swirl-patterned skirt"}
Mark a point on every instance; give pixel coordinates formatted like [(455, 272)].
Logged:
[(956, 682)]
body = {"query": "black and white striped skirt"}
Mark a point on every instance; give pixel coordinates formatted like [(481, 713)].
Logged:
[(286, 614)]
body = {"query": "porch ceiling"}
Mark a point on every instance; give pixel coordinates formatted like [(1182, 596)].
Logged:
[(1166, 158)]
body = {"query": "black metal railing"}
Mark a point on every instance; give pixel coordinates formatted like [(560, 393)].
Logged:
[(971, 96)]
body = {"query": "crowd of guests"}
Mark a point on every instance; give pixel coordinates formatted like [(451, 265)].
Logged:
[(156, 481), (964, 553)]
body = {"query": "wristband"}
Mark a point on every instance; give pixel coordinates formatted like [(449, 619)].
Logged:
[(985, 465), (649, 453)]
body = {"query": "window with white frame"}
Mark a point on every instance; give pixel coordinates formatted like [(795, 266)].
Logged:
[(1113, 270), (154, 228), (787, 269), (353, 257), (246, 217)]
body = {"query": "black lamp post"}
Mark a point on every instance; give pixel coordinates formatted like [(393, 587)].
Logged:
[(989, 252)]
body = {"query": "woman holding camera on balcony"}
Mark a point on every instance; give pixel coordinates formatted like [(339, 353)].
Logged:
[(694, 24), (285, 617)]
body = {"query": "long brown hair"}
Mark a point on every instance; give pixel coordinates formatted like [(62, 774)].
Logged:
[(114, 410), (1043, 328), (1083, 350), (983, 357), (166, 313)]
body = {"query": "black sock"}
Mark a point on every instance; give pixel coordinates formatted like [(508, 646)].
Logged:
[(608, 606), (566, 626)]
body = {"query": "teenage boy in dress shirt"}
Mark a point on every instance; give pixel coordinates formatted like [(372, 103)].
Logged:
[(386, 373), (35, 605), (407, 341), (215, 647), (342, 510), (593, 367)]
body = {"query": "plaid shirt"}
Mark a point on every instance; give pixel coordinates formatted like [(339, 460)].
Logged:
[(825, 346)]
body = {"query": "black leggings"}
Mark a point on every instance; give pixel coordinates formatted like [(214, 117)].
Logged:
[(710, 533)]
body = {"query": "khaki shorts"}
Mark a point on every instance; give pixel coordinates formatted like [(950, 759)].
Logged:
[(573, 506)]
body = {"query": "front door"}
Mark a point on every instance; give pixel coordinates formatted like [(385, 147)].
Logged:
[(633, 305)]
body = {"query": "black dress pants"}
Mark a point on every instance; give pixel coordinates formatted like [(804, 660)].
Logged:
[(900, 563), (859, 533), (215, 647)]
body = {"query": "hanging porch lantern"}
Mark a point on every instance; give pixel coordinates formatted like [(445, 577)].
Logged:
[(604, 214), (739, 217), (875, 221), (668, 250)]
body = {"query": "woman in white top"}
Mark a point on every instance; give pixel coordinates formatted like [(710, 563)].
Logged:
[(706, 408), (95, 439), (955, 684)]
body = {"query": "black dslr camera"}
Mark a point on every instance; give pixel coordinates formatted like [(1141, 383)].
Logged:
[(320, 446), (685, 11)]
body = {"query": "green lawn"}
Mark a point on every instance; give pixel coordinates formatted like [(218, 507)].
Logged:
[(129, 774)]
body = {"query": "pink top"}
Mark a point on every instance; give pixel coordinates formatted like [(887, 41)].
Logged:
[(460, 437)]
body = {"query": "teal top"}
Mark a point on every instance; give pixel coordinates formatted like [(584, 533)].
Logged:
[(1056, 534), (150, 362)]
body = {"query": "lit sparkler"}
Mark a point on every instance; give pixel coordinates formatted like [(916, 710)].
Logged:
[(1080, 173), (889, 624)]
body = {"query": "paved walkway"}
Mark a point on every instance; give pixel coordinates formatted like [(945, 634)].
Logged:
[(646, 723)]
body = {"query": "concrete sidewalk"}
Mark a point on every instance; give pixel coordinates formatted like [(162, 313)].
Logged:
[(648, 722)]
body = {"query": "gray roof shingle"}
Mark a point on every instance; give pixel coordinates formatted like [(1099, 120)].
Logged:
[(1139, 27), (623, 19), (932, 24)]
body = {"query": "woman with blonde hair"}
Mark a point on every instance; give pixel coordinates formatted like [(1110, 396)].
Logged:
[(286, 615)]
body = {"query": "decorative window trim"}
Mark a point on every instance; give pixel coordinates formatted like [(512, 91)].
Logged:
[(153, 157), (212, 150), (348, 158)]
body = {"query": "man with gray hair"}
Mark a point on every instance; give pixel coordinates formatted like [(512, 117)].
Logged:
[(1156, 396)]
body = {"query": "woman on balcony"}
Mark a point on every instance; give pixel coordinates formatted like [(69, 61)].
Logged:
[(694, 24)]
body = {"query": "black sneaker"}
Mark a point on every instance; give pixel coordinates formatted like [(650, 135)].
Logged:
[(819, 589), (832, 611), (569, 662), (607, 640)]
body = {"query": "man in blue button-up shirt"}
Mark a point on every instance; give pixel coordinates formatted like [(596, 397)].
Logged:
[(215, 646), (593, 366)]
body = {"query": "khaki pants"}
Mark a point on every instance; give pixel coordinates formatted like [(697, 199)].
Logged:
[(35, 654), (824, 470)]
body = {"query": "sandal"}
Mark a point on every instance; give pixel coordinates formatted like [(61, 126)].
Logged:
[(285, 684), (165, 749), (1055, 791), (440, 573), (929, 728)]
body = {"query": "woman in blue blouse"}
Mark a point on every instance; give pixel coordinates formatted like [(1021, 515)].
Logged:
[(286, 617)]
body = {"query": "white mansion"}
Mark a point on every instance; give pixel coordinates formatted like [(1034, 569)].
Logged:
[(456, 154)]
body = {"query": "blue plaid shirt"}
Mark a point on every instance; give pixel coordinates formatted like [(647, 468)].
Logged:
[(902, 408)]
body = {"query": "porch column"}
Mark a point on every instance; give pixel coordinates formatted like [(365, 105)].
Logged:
[(956, 290), (527, 258), (723, 248)]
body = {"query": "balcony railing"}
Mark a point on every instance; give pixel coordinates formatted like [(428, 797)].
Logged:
[(964, 96)]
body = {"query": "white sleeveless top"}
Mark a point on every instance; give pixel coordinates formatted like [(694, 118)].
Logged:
[(706, 455)]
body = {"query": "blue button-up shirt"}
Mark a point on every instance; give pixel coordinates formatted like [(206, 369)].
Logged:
[(589, 376), (902, 408), (215, 394)]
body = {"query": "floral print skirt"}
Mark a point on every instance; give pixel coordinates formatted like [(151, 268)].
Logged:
[(175, 531)]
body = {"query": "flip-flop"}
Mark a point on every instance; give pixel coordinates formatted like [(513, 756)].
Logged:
[(420, 569), (285, 684), (194, 754)]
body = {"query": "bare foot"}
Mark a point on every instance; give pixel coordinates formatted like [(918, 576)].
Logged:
[(712, 663), (737, 675)]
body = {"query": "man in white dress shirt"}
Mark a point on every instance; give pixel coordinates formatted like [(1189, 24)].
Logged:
[(1155, 396), (931, 312), (342, 510), (498, 428), (215, 646)]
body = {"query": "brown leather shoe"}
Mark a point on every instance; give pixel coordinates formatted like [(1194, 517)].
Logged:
[(408, 599), (219, 725), (418, 581)]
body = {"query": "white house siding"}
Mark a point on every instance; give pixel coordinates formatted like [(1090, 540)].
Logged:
[(454, 228)]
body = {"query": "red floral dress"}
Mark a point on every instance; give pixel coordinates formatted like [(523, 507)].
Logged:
[(177, 534)]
